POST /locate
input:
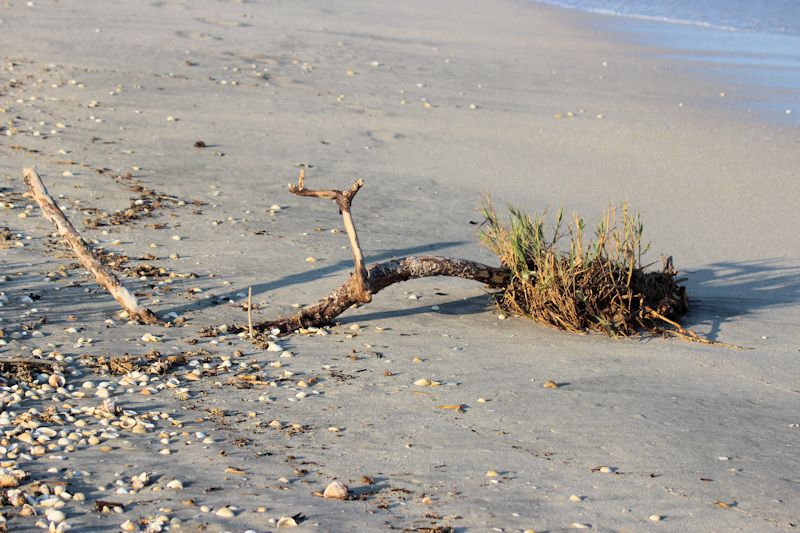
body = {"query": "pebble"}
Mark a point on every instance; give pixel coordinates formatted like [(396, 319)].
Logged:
[(54, 515)]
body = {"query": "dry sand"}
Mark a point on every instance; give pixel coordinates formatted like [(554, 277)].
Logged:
[(433, 104)]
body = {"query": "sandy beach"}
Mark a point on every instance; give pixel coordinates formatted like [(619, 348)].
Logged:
[(434, 105)]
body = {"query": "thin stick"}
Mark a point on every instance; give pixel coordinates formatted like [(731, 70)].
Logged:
[(250, 311), (67, 231), (344, 199)]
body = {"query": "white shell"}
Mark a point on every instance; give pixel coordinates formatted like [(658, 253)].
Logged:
[(336, 490)]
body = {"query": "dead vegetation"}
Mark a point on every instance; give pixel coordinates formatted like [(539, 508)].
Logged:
[(563, 278)]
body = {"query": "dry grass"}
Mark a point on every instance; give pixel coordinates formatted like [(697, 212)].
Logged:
[(563, 278)]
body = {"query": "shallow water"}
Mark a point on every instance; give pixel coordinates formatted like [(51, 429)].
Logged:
[(754, 45), (762, 16)]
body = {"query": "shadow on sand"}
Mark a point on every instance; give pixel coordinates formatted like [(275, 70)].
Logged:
[(726, 290)]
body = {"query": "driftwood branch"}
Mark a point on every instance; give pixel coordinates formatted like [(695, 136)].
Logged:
[(344, 199), (67, 231), (381, 275)]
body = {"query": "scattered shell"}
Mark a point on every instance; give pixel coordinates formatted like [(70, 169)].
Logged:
[(550, 384), (224, 512), (127, 525), (575, 498), (149, 337), (492, 473), (8, 481), (274, 347), (423, 382), (56, 380), (175, 485), (54, 515), (286, 522), (140, 481), (336, 490), (654, 518)]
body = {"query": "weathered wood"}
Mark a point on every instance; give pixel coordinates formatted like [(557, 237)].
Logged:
[(67, 231), (344, 200), (382, 275)]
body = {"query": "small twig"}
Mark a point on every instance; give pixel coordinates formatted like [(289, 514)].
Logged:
[(686, 334), (250, 311), (344, 199), (67, 231)]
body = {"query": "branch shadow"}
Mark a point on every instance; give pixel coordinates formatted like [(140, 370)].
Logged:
[(303, 277), (737, 289), (467, 306)]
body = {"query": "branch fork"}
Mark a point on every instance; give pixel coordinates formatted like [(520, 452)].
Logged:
[(365, 282), (361, 290)]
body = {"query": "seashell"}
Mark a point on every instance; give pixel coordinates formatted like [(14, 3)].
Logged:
[(56, 380), (16, 497), (127, 525), (336, 490), (140, 481), (111, 407), (175, 485), (274, 347), (49, 432), (286, 522), (423, 382), (54, 515), (550, 384), (27, 510), (127, 423), (224, 512)]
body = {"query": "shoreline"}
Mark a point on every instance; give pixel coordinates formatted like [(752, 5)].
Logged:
[(760, 73)]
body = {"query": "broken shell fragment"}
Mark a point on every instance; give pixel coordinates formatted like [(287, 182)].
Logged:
[(336, 490), (8, 481)]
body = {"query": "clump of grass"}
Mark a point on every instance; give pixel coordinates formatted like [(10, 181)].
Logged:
[(564, 278)]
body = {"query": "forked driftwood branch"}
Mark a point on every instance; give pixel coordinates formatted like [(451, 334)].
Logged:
[(382, 275), (67, 231), (344, 199), (365, 282)]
